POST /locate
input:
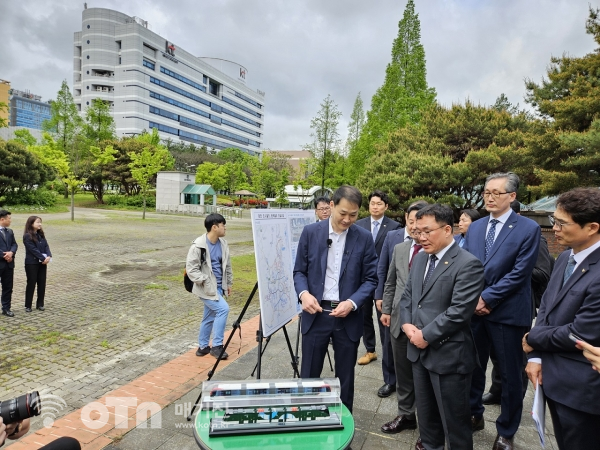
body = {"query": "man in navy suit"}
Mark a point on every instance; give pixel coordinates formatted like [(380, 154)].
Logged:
[(8, 248), (378, 225), (334, 275), (507, 245), (571, 304)]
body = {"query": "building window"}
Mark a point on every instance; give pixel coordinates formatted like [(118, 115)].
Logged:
[(88, 27), (180, 91), (88, 57), (87, 103), (87, 87), (88, 72), (88, 41), (213, 87), (182, 78), (148, 64), (242, 107), (204, 79)]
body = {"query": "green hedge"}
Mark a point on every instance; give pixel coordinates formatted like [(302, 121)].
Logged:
[(132, 200), (35, 197)]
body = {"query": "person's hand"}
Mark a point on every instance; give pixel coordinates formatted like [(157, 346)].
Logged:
[(343, 309), (409, 329), (47, 260), (482, 308), (526, 347), (378, 304), (2, 432), (385, 320), (591, 353), (228, 291), (8, 256), (418, 341), (534, 373), (310, 303)]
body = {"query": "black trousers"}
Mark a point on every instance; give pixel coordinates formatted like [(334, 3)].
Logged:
[(36, 275), (573, 429), (369, 339), (7, 275)]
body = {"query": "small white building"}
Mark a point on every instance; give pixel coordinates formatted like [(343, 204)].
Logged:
[(177, 192)]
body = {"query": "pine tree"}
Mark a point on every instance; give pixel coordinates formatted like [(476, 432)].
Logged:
[(65, 122), (403, 95), (326, 138), (356, 125)]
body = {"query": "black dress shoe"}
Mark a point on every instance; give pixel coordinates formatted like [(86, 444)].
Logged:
[(477, 424), (419, 445), (27, 309), (40, 308), (8, 313), (398, 424), (490, 399), (502, 443), (386, 390)]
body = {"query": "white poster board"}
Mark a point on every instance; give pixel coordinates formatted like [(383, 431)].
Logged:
[(276, 234)]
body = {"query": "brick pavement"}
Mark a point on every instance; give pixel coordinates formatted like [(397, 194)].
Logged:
[(104, 324)]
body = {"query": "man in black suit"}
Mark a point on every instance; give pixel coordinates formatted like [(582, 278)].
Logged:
[(379, 226), (436, 308), (8, 248), (570, 306)]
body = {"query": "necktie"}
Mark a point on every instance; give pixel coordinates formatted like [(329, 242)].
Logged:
[(432, 260), (569, 269), (491, 237), (375, 229), (416, 250), (2, 233)]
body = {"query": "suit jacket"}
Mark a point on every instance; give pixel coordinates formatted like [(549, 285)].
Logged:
[(394, 286), (358, 271), (508, 267), (9, 244), (567, 376), (541, 273), (387, 225), (34, 251), (443, 310), (392, 239)]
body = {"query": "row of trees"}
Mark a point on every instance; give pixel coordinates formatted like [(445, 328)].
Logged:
[(77, 152), (412, 147)]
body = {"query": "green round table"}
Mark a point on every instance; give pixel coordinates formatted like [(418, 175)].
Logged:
[(301, 440)]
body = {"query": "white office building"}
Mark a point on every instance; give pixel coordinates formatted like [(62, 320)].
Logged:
[(150, 82)]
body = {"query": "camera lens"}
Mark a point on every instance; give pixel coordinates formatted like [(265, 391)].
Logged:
[(23, 407)]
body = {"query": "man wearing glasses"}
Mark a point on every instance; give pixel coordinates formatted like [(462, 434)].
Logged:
[(322, 208), (570, 311), (507, 245)]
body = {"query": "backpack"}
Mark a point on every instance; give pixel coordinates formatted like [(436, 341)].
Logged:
[(187, 283)]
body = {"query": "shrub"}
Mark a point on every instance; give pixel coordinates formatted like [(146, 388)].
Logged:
[(34, 197), (132, 200)]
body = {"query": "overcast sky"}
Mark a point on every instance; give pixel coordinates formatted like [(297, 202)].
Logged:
[(300, 51)]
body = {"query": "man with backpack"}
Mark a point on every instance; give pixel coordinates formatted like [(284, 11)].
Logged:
[(208, 266)]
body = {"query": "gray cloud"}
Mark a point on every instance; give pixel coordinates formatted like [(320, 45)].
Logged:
[(299, 52)]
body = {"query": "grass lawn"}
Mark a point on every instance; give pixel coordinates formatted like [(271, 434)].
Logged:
[(244, 278)]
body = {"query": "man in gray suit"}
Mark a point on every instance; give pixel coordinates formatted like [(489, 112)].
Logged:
[(397, 275), (441, 294)]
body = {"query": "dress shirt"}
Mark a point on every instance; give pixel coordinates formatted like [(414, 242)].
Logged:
[(412, 249), (501, 221), (334, 261), (579, 258), (439, 256), (379, 221)]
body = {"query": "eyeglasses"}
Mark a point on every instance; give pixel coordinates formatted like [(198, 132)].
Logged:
[(324, 209), (487, 194), (557, 223), (418, 233)]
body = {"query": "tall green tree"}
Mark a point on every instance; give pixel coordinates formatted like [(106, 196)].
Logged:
[(20, 169), (356, 125), (326, 138), (65, 122), (447, 156), (145, 165), (403, 95), (99, 123), (565, 142)]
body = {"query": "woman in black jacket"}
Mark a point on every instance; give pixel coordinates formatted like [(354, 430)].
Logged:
[(37, 256)]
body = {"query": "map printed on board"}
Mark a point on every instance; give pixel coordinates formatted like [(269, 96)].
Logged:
[(276, 234)]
